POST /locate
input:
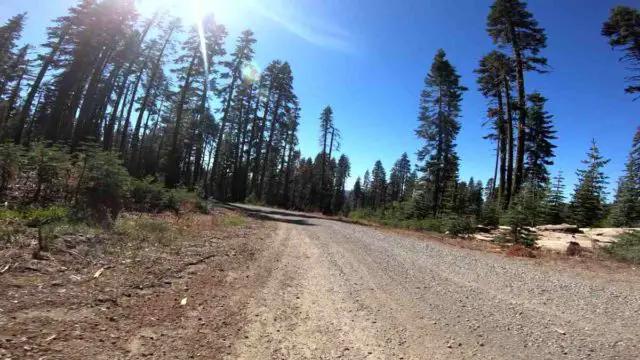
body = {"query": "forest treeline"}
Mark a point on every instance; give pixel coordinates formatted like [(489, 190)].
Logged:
[(170, 110), (522, 191), (146, 99)]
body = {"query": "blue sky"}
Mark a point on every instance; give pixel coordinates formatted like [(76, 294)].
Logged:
[(368, 59)]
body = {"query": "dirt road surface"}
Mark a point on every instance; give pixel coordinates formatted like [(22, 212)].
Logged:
[(345, 291), (296, 286)]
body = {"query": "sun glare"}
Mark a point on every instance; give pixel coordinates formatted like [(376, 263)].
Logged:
[(192, 11)]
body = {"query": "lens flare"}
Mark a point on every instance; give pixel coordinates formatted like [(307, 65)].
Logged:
[(251, 72), (196, 6)]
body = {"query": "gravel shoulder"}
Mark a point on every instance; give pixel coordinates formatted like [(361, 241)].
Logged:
[(348, 291)]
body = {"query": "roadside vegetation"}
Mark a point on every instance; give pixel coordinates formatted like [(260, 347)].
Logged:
[(151, 123), (626, 248)]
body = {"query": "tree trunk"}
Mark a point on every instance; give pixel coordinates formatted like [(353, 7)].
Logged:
[(522, 119), (260, 136), (84, 124), (12, 100), (27, 134), (125, 127), (225, 115), (502, 134), (135, 137), (287, 174), (252, 139), (272, 129), (173, 172), (509, 111), (437, 186), (200, 133), (118, 132), (24, 113), (242, 125), (107, 139)]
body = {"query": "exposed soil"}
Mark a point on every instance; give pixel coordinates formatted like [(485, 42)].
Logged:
[(58, 309)]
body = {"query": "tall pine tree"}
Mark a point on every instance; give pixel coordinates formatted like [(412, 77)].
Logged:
[(439, 126), (511, 25)]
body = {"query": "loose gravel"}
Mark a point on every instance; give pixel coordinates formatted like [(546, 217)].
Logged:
[(349, 291)]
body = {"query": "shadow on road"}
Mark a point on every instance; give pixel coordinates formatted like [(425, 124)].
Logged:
[(274, 215)]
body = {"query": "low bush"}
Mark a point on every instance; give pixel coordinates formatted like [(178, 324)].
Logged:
[(10, 225), (140, 230), (626, 248), (459, 225), (202, 207), (147, 195), (16, 222)]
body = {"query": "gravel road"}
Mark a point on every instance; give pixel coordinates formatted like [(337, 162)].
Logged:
[(337, 290)]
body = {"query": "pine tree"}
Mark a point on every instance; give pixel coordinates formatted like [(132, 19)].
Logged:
[(626, 206), (554, 204), (623, 30), (410, 186), (56, 35), (398, 178), (326, 126), (242, 55), (343, 171), (19, 69), (154, 82), (358, 195), (195, 68), (587, 205), (366, 190), (378, 188), (524, 213), (439, 126), (10, 33), (539, 149), (510, 24), (496, 73)]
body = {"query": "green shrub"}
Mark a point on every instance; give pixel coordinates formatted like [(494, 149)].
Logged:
[(140, 231), (626, 248), (459, 225), (491, 216), (47, 215), (202, 207), (147, 195), (522, 215), (104, 184), (11, 225), (10, 164), (361, 214), (430, 224), (52, 168)]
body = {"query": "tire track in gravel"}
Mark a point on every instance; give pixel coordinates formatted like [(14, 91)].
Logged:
[(304, 311), (384, 296)]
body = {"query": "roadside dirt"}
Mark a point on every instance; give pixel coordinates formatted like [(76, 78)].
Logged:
[(58, 309)]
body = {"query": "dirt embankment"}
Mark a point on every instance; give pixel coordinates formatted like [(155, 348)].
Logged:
[(180, 299)]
